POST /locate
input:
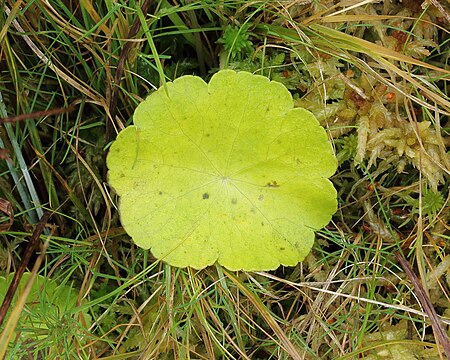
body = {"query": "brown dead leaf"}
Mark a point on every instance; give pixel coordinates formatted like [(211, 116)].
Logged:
[(6, 208)]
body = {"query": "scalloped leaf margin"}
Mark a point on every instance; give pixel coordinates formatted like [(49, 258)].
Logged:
[(226, 171)]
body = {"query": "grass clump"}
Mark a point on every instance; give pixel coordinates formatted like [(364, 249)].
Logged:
[(375, 74)]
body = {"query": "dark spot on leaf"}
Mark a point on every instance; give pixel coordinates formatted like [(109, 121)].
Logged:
[(234, 201), (282, 248), (261, 197), (272, 184), (160, 192), (205, 196), (262, 223)]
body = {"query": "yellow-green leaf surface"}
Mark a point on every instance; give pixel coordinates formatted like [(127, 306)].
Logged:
[(227, 171)]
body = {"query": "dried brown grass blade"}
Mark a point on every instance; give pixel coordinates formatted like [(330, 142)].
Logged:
[(37, 114), (94, 15), (32, 246), (8, 330), (120, 67), (425, 302), (285, 343)]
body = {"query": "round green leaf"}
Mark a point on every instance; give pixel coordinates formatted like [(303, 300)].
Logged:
[(227, 171)]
